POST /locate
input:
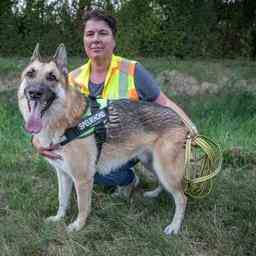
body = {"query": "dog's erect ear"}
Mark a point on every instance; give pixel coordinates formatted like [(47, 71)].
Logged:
[(36, 54), (60, 58)]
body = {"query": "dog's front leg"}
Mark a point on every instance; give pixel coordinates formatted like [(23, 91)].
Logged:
[(83, 188), (65, 185)]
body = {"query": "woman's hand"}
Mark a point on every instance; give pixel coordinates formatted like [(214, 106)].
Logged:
[(48, 152)]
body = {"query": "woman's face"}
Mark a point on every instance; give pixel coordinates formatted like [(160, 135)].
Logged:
[(99, 42)]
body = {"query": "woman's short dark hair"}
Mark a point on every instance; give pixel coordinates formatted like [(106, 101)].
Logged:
[(100, 15)]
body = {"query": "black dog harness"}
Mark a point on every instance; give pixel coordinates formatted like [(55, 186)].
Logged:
[(90, 124)]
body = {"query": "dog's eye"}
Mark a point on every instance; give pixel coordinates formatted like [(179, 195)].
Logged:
[(51, 77), (31, 73)]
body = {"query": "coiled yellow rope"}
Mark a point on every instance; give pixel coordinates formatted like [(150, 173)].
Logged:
[(203, 160)]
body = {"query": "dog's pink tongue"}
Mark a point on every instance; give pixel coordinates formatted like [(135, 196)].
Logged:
[(34, 123)]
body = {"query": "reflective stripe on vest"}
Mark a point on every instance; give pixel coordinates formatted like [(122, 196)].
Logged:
[(123, 79)]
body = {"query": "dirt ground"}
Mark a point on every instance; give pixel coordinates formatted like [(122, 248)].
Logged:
[(185, 85)]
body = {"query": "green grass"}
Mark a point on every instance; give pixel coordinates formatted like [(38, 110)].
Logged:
[(222, 224), (202, 70), (12, 65)]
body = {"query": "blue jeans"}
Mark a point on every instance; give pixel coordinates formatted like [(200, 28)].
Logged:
[(120, 177)]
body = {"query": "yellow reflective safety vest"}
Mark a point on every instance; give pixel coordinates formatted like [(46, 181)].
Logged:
[(119, 82)]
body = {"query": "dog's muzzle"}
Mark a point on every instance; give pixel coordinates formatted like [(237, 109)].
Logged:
[(39, 99)]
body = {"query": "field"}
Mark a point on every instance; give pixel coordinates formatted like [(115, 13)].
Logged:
[(224, 223)]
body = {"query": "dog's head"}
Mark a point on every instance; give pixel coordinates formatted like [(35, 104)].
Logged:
[(42, 84)]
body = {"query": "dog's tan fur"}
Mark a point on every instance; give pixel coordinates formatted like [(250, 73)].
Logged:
[(140, 127)]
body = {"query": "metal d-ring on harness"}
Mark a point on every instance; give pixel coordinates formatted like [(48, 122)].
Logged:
[(90, 124)]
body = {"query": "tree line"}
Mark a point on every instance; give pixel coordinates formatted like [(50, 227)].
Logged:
[(157, 28)]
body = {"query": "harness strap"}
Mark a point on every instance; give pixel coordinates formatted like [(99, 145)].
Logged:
[(100, 129), (86, 126)]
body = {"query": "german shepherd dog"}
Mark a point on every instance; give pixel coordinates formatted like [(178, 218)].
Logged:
[(49, 107)]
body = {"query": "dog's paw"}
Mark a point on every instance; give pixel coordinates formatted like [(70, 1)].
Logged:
[(171, 229), (53, 218), (153, 193), (74, 226)]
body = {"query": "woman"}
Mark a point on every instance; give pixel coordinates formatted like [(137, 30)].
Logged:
[(112, 77)]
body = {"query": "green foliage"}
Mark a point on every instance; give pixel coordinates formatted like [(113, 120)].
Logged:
[(146, 28)]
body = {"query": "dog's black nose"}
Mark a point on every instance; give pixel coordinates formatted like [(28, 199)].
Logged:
[(35, 94)]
